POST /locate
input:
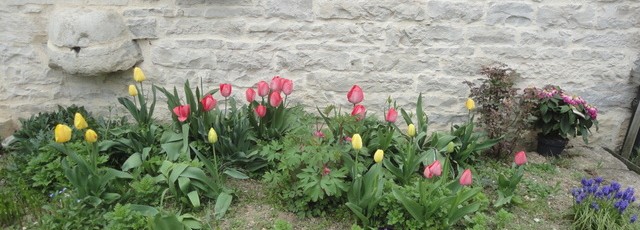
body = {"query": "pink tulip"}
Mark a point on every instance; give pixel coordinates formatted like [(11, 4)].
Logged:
[(392, 115), (182, 111), (275, 99), (250, 94), (434, 169), (263, 88), (276, 83), (225, 90), (466, 178), (520, 158), (287, 86), (355, 95), (261, 110), (359, 112), (208, 102)]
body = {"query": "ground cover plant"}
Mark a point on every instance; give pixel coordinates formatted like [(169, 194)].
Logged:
[(265, 163)]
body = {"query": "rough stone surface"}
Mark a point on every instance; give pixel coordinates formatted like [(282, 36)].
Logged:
[(85, 41), (396, 48)]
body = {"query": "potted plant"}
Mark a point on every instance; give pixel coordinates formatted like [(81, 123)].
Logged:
[(557, 116)]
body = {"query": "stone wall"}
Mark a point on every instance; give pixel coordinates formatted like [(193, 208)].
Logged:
[(395, 48)]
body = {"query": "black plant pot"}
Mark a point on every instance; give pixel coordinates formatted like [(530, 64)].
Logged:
[(551, 145)]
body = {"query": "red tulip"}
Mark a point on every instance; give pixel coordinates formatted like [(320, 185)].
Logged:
[(275, 99), (182, 111), (208, 102), (250, 94), (434, 169), (355, 95), (263, 88), (520, 158), (287, 86), (392, 115), (466, 178), (261, 110), (276, 83), (359, 112), (225, 90)]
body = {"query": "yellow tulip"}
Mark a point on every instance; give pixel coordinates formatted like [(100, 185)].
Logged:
[(79, 122), (356, 141), (133, 91), (377, 157), (138, 75), (90, 136), (450, 147), (470, 104), (411, 130), (213, 136), (62, 133)]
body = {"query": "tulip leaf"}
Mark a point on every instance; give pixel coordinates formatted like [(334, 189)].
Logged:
[(412, 207), (461, 212), (222, 204), (235, 173), (133, 161), (194, 198)]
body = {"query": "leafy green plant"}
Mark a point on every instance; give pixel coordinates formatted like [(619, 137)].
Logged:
[(467, 144), (600, 206), (503, 111), (67, 211), (143, 114), (282, 225), (122, 217), (507, 187), (17, 200), (366, 193)]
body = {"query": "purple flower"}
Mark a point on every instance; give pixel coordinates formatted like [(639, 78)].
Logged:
[(634, 218), (615, 186), (595, 206), (621, 205), (606, 190), (598, 180), (580, 197)]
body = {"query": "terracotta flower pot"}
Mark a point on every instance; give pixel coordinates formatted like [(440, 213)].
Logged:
[(549, 145)]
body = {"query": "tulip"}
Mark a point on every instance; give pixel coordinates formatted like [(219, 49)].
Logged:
[(466, 178), (263, 88), (359, 111), (133, 91), (355, 95), (79, 122), (276, 83), (225, 90), (275, 99), (250, 94), (470, 104), (62, 133), (212, 137), (520, 158), (90, 136), (377, 157), (451, 147), (434, 169), (392, 115), (356, 141), (261, 111), (182, 111), (138, 75), (287, 86), (208, 102), (411, 130), (318, 134)]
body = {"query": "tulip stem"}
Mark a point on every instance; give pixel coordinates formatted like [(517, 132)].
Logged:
[(225, 107), (215, 165), (141, 90)]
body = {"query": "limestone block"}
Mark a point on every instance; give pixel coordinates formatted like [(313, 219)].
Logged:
[(142, 28), (484, 35), (91, 42), (618, 16), (512, 13), (433, 34), (556, 39), (296, 9), (569, 16), (454, 11)]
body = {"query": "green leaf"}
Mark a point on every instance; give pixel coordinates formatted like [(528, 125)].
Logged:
[(133, 161), (194, 198), (461, 212), (235, 173), (358, 212), (144, 209), (222, 204), (410, 205), (166, 222)]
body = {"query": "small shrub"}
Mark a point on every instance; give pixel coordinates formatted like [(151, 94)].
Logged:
[(123, 218), (503, 113)]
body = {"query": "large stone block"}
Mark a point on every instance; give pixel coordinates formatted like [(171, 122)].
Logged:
[(426, 34), (337, 9), (142, 28), (512, 13), (568, 16), (491, 35), (294, 9), (610, 39), (551, 38), (85, 41), (454, 11), (618, 17), (228, 28)]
